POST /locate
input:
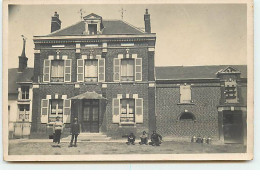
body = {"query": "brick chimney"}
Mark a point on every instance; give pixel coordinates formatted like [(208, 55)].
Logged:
[(23, 59), (147, 22), (55, 22)]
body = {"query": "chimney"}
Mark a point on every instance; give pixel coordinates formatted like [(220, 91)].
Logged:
[(55, 22), (147, 22), (23, 59)]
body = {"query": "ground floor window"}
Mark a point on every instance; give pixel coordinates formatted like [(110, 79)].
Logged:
[(187, 116), (127, 110), (24, 112), (56, 109)]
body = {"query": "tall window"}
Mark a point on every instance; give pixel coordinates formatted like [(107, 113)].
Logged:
[(91, 70), (127, 70), (25, 92), (127, 110), (185, 94), (57, 71), (24, 112), (56, 109)]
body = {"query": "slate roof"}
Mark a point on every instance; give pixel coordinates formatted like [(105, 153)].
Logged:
[(194, 72), (116, 27), (14, 77)]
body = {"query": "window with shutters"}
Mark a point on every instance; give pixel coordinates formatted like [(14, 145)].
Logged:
[(127, 110), (91, 70), (185, 94), (57, 71), (25, 92), (231, 91), (55, 110), (24, 112)]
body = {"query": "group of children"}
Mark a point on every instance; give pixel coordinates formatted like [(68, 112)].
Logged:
[(156, 139)]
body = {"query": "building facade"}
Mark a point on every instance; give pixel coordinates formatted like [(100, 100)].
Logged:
[(103, 73)]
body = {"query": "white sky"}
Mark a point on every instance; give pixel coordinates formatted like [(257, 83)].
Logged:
[(186, 34)]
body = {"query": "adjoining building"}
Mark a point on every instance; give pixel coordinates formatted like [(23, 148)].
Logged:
[(20, 98), (103, 72)]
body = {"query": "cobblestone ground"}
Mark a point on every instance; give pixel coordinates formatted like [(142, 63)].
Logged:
[(85, 148)]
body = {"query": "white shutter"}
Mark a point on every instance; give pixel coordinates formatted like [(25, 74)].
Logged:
[(139, 110), (80, 70), (138, 69), (185, 94), (117, 70), (101, 70), (66, 110), (44, 110), (46, 70), (67, 70), (116, 110)]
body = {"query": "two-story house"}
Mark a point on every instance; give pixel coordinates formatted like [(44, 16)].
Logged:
[(100, 71)]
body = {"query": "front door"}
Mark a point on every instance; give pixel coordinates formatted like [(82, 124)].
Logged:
[(90, 120), (233, 126)]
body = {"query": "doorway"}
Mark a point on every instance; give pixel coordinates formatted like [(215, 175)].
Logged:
[(232, 126), (90, 118)]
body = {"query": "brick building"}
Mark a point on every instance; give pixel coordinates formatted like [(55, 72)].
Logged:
[(103, 72)]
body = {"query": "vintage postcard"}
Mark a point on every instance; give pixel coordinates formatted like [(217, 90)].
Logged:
[(127, 80)]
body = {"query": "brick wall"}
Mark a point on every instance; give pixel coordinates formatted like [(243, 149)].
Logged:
[(168, 110)]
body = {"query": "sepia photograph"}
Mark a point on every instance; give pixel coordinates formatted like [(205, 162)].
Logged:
[(132, 81)]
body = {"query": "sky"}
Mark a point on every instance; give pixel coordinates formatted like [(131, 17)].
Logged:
[(186, 34)]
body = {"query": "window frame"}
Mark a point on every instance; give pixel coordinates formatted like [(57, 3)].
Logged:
[(91, 60), (25, 93), (57, 108), (121, 69), (181, 100), (63, 68), (127, 115), (25, 113)]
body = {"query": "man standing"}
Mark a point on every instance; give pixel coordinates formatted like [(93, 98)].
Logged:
[(74, 131)]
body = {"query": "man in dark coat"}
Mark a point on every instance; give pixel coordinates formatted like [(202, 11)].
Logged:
[(74, 131), (131, 139), (155, 139)]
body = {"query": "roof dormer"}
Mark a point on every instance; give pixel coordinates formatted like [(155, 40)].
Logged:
[(93, 24)]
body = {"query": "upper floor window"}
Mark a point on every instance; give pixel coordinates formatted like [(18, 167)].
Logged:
[(25, 92), (57, 71), (127, 70), (231, 91), (91, 70), (185, 94)]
